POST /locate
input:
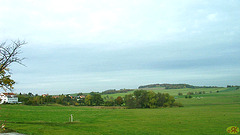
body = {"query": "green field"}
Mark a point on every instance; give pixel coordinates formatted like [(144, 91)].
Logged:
[(209, 113), (173, 92)]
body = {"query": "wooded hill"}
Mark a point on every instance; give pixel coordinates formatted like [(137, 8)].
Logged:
[(165, 85), (173, 86)]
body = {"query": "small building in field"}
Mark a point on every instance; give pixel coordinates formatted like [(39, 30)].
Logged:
[(8, 98)]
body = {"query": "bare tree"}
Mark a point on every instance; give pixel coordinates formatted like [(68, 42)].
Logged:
[(9, 54)]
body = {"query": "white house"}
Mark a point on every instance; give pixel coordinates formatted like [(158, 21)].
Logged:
[(8, 98)]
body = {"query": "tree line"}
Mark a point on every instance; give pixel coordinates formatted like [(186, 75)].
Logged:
[(174, 86), (116, 91), (149, 99), (139, 99)]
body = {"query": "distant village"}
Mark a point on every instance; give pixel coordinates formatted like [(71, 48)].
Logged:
[(79, 98), (11, 98)]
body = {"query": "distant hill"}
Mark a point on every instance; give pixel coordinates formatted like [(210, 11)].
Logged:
[(173, 86)]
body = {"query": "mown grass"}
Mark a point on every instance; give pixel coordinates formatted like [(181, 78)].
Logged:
[(211, 114)]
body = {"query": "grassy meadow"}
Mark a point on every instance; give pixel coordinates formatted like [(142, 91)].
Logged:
[(172, 92), (209, 113)]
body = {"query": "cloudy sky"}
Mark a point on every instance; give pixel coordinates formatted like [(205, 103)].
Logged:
[(95, 45)]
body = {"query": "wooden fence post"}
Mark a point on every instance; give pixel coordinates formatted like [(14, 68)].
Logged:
[(71, 118)]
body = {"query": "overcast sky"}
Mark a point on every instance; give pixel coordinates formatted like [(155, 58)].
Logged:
[(95, 45)]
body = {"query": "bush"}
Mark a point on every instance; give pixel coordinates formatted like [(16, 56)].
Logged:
[(166, 104), (109, 103), (178, 104), (188, 96), (180, 94), (76, 104)]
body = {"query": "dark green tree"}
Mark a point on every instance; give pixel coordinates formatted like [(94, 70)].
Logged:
[(97, 99), (161, 99), (130, 101), (141, 98)]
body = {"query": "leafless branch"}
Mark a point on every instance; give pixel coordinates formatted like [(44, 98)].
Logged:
[(9, 54)]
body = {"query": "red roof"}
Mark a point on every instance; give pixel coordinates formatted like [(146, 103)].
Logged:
[(8, 94)]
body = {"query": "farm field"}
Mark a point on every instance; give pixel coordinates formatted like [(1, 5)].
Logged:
[(209, 113)]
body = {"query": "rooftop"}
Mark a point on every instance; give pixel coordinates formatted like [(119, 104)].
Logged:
[(8, 94)]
